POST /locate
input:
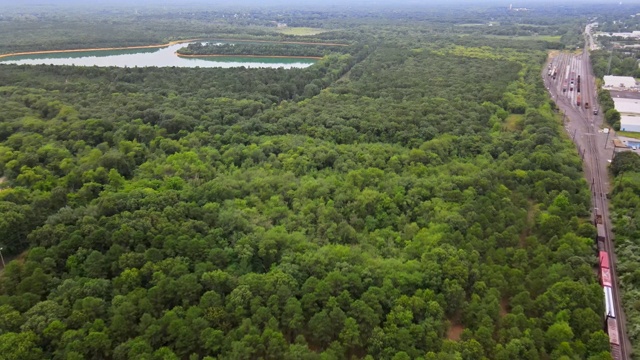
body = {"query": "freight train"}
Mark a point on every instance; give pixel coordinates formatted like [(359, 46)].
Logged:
[(610, 319), (573, 75), (578, 84)]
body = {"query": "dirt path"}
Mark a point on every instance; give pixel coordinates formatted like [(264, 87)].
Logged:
[(504, 307), (531, 212), (454, 332)]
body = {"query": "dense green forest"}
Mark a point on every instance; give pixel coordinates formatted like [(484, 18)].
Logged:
[(269, 49), (626, 221), (413, 197)]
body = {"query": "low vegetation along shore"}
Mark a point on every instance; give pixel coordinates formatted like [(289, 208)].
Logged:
[(250, 56), (308, 51)]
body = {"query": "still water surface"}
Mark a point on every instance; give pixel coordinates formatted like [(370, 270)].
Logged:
[(160, 57)]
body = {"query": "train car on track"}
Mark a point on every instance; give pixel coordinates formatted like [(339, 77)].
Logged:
[(602, 234), (609, 305), (605, 277), (597, 216), (578, 100), (614, 339), (605, 270)]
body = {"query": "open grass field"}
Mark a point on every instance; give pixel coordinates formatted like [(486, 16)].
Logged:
[(300, 31), (633, 135), (513, 122)]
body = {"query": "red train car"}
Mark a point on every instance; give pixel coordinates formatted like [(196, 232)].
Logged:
[(604, 260), (605, 277)]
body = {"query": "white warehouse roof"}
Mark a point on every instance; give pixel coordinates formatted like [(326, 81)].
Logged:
[(627, 106), (611, 81)]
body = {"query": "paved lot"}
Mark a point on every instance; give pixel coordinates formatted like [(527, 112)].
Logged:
[(625, 94)]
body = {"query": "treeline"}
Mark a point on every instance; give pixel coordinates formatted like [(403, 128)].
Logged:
[(269, 49), (617, 62), (626, 222)]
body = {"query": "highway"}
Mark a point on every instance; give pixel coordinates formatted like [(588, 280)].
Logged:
[(583, 126)]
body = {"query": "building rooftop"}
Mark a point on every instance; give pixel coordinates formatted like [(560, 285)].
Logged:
[(611, 81), (627, 106)]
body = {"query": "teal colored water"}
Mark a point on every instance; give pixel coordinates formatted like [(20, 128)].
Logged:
[(159, 57)]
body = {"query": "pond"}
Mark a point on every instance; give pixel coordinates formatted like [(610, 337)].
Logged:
[(159, 57)]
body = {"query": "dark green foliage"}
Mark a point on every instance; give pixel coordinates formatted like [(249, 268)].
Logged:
[(270, 49), (626, 220), (625, 161)]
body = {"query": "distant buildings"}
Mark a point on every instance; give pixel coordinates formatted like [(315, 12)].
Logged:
[(511, 8), (625, 35)]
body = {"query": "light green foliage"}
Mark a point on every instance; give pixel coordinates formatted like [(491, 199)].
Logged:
[(358, 207)]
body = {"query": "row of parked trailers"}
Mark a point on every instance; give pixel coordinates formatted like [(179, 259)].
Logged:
[(610, 319)]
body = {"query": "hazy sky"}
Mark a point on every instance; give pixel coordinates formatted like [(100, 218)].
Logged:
[(307, 2), (303, 3)]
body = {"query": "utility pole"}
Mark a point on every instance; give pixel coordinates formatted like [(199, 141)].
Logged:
[(606, 141)]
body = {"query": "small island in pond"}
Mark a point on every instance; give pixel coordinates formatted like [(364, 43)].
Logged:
[(315, 51)]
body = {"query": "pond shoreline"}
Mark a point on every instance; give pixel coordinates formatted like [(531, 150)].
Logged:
[(40, 52)]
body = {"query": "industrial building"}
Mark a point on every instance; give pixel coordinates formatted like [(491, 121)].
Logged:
[(626, 106), (630, 123), (626, 35), (629, 110), (619, 82)]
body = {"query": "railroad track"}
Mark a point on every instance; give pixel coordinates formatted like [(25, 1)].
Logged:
[(600, 189), (584, 131)]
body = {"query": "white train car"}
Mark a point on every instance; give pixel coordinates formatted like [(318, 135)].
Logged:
[(610, 310)]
